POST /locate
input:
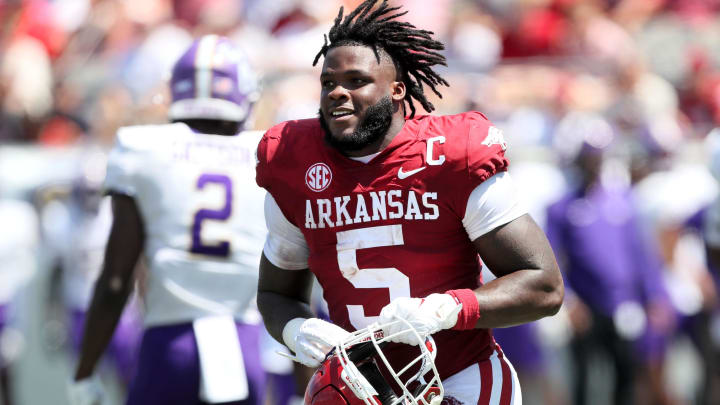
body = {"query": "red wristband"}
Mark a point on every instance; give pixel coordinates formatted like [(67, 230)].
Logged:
[(470, 312)]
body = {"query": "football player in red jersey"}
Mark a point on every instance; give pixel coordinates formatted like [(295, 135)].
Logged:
[(392, 212)]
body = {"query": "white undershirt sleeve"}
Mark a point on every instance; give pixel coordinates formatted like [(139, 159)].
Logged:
[(493, 203), (285, 245)]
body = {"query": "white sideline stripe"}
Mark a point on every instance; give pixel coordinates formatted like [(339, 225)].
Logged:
[(464, 386), (516, 398), (203, 66), (497, 381)]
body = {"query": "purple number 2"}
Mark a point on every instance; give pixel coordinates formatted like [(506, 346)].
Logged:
[(221, 249)]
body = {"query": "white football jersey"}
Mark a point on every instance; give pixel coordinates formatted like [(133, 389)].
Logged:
[(83, 256), (203, 217), (18, 247)]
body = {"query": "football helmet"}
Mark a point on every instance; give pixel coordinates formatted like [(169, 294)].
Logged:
[(213, 80), (357, 372)]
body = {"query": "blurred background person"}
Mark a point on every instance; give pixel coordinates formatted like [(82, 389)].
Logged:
[(537, 355), (183, 196), (613, 274), (78, 238), (700, 324), (706, 222), (18, 247)]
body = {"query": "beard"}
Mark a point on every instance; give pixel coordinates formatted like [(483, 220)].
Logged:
[(373, 127)]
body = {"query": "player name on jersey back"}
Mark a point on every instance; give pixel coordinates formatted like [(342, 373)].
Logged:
[(202, 151)]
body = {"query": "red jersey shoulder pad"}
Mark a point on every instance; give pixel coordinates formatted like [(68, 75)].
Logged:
[(485, 148), (280, 143), (466, 149), (471, 142)]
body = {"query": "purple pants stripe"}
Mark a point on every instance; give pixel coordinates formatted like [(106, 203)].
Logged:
[(169, 368), (3, 322), (123, 348), (522, 346), (281, 388)]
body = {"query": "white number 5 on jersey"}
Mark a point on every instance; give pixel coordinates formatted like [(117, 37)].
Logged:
[(348, 243)]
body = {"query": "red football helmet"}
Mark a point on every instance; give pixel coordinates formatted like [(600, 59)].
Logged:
[(350, 374)]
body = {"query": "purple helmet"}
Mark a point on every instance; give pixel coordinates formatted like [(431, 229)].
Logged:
[(212, 80)]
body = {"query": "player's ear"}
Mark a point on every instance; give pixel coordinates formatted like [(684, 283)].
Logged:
[(397, 91)]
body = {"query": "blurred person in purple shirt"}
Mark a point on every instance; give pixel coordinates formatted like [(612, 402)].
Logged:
[(612, 274), (699, 326)]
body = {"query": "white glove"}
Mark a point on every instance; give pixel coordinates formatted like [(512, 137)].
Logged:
[(426, 315), (312, 339), (88, 391)]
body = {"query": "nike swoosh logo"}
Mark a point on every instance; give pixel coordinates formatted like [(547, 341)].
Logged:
[(404, 175)]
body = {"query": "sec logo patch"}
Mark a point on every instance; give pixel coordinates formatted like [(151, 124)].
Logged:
[(318, 177)]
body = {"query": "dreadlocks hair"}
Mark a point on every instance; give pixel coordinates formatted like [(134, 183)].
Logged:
[(413, 51)]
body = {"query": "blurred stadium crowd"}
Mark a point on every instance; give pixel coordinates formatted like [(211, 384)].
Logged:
[(638, 80)]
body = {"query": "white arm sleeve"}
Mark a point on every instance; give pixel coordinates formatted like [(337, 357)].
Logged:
[(285, 245), (493, 203)]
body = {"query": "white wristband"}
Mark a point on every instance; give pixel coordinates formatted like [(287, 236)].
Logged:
[(87, 391), (290, 331)]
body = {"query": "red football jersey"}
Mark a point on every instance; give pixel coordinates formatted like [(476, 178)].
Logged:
[(391, 227)]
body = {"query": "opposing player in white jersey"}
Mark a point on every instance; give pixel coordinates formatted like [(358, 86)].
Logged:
[(17, 265), (76, 221), (183, 196)]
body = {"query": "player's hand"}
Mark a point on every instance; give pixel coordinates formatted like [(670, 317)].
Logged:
[(88, 391), (312, 339), (427, 315)]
